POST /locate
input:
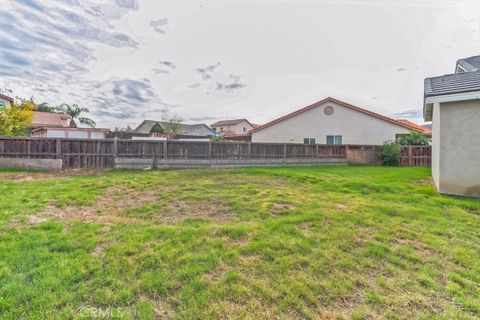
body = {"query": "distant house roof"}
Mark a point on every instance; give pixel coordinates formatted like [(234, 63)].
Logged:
[(185, 129), (49, 119), (344, 104), (452, 83), (6, 98), (423, 129), (230, 122), (468, 64)]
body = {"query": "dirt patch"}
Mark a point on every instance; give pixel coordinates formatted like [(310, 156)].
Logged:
[(305, 227), (106, 208), (279, 207), (111, 207), (179, 210), (217, 273), (340, 206), (422, 249)]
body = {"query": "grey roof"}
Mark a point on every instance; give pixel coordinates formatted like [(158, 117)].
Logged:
[(452, 83), (200, 129), (469, 64)]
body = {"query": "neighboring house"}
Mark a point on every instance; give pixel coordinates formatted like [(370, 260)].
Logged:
[(49, 119), (331, 121), (452, 103), (232, 127), (185, 131), (5, 101), (59, 125), (70, 133)]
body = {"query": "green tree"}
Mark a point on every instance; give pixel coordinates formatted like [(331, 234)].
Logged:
[(414, 138), (15, 119), (390, 152), (75, 112)]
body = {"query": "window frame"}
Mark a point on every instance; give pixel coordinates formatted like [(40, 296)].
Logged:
[(309, 141), (335, 140)]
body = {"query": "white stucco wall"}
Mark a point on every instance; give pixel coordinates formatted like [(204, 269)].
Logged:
[(436, 144), (237, 129), (459, 148), (355, 127)]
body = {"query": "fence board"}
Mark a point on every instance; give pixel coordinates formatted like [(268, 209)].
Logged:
[(81, 153)]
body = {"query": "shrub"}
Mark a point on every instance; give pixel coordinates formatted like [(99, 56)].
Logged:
[(390, 152), (414, 139)]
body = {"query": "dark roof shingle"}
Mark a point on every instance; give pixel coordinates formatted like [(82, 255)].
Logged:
[(452, 83), (185, 129), (469, 64), (228, 122)]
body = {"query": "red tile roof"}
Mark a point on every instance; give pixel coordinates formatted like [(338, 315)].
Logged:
[(414, 125), (344, 104), (49, 119)]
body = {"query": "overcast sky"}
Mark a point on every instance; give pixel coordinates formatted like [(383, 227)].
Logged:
[(222, 59)]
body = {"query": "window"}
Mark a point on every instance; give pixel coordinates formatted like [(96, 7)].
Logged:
[(334, 139), (214, 129), (309, 140), (244, 129)]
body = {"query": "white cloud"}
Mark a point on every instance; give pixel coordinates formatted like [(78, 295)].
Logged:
[(258, 59)]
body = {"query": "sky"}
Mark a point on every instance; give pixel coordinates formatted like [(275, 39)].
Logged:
[(128, 60)]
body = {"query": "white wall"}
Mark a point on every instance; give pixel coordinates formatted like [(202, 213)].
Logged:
[(436, 144), (238, 128), (355, 127), (459, 148)]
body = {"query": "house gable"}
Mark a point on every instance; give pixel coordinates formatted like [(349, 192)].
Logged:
[(338, 102), (330, 121)]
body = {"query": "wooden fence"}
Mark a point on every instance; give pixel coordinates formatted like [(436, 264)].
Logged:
[(77, 153)]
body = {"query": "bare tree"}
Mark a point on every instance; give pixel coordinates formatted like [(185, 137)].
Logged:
[(172, 124)]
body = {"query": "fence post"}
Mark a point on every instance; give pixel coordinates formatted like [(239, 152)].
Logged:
[(59, 148), (209, 150), (316, 151), (28, 149), (285, 151), (115, 147), (249, 150), (165, 149), (410, 156)]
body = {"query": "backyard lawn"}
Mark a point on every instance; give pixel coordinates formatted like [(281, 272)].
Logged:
[(346, 242)]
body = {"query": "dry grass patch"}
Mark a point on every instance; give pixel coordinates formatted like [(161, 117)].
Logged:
[(47, 175), (179, 210), (280, 207), (106, 209)]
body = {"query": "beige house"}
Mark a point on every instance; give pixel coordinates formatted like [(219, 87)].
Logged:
[(5, 101), (452, 103), (232, 127), (332, 121)]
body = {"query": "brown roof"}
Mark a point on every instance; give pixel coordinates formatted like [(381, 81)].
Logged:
[(229, 122), (49, 119), (6, 97), (418, 127), (344, 104)]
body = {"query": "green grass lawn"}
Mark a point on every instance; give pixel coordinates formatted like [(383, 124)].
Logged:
[(258, 243)]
